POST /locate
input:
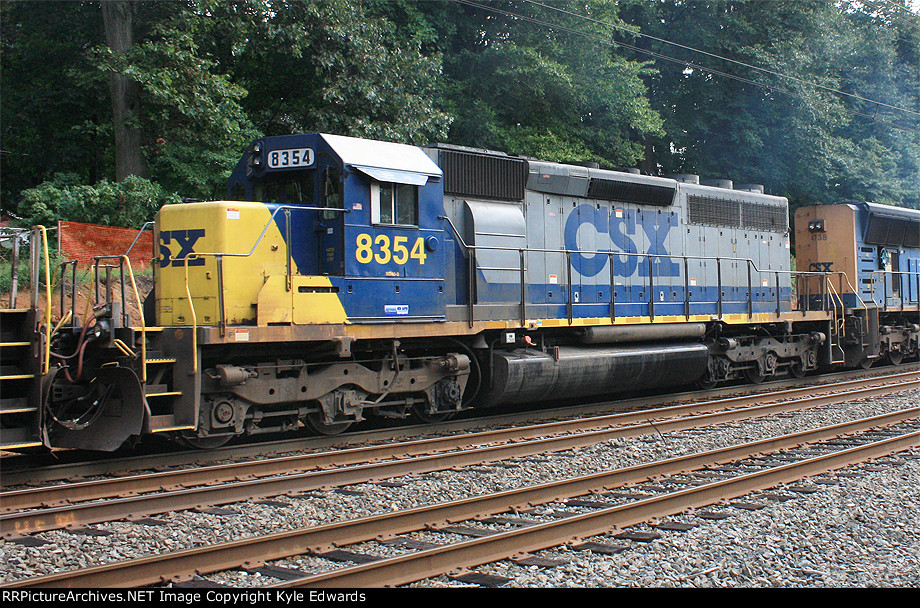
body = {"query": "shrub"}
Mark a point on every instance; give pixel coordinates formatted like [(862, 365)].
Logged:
[(128, 203)]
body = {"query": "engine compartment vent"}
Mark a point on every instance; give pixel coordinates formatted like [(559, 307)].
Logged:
[(630, 192), (483, 176)]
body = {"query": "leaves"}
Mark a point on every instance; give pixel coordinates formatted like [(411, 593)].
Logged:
[(566, 80), (127, 203)]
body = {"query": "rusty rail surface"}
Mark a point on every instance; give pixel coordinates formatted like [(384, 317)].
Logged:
[(427, 563), (120, 487), (39, 520), (14, 475), (202, 560)]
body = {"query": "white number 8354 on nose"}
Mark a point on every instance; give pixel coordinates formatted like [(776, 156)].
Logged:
[(292, 157)]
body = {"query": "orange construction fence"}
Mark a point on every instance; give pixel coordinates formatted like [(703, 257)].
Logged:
[(83, 242)]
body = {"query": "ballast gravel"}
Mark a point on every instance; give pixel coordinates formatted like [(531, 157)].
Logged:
[(859, 527)]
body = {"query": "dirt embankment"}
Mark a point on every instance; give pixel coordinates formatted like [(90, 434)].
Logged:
[(85, 298)]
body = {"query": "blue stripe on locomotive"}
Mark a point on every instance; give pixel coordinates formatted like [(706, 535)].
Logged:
[(391, 272), (879, 248)]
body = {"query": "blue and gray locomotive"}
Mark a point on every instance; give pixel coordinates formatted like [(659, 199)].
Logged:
[(345, 278)]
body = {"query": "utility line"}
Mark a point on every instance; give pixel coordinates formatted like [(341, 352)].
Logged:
[(716, 56), (894, 14), (671, 59)]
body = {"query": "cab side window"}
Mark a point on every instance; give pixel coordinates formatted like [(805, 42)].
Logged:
[(394, 204), (332, 192)]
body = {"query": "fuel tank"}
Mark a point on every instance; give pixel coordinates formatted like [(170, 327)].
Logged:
[(566, 372)]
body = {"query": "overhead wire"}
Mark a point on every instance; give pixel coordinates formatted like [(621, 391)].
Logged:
[(687, 64), (893, 12), (722, 58)]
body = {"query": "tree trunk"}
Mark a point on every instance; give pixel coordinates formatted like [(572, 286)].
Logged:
[(126, 93)]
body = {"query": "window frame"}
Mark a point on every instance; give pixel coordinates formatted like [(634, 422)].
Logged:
[(376, 187)]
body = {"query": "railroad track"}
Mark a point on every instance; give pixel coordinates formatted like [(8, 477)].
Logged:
[(15, 473), (80, 504), (507, 524)]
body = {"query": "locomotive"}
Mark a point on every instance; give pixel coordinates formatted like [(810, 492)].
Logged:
[(346, 278)]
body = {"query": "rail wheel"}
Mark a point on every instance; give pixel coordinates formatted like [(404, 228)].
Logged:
[(317, 423), (797, 370), (895, 356), (420, 411), (706, 383), (205, 443), (754, 375)]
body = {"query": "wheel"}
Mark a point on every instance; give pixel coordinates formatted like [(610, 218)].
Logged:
[(895, 357), (706, 382), (420, 411), (797, 370), (317, 423), (866, 363), (754, 376), (205, 443)]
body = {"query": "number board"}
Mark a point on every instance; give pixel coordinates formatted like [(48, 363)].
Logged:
[(290, 158), (383, 251)]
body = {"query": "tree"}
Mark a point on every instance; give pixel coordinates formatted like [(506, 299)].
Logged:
[(785, 110), (54, 116), (527, 79), (118, 19), (330, 65)]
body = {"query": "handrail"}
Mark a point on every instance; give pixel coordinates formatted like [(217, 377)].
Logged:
[(468, 247), (854, 290), (47, 350), (191, 306), (469, 252), (892, 273), (220, 277), (138, 235), (124, 259), (834, 321)]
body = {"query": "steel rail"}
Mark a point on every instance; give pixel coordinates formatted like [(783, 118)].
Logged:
[(40, 520), (433, 562), (13, 475), (34, 498), (251, 551)]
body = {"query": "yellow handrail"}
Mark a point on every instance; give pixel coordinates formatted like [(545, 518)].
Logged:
[(46, 365), (140, 308), (191, 306)]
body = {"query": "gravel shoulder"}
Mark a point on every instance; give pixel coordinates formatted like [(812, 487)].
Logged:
[(862, 531)]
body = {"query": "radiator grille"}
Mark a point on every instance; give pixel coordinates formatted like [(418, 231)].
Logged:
[(630, 192), (892, 231), (716, 211), (735, 213), (482, 176), (763, 217)]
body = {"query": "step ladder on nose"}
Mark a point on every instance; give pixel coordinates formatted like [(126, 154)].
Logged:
[(20, 379)]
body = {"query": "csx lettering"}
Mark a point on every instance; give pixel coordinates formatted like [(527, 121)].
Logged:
[(621, 228), (185, 239)]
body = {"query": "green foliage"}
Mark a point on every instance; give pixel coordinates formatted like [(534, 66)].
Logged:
[(53, 117), (331, 66), (534, 89), (24, 274), (812, 144), (194, 122), (129, 203), (551, 80)]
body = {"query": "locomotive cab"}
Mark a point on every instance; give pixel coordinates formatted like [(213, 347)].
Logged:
[(362, 213), (343, 230), (873, 253)]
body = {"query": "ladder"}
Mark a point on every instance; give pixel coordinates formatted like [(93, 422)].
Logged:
[(23, 357)]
